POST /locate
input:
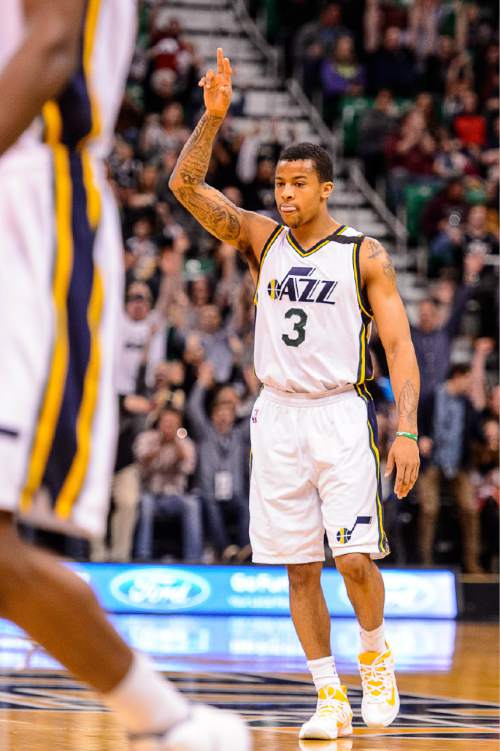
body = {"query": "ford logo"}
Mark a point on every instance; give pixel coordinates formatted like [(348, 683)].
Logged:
[(159, 589)]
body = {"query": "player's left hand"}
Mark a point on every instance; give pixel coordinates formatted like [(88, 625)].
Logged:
[(217, 87), (404, 456)]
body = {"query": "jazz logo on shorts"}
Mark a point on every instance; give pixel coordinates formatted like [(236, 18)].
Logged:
[(299, 285), (344, 534)]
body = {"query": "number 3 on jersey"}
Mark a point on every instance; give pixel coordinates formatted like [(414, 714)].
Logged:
[(299, 327)]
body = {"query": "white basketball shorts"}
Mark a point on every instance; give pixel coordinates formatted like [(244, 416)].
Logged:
[(60, 297), (315, 469)]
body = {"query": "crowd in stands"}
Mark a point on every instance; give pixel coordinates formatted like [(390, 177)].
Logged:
[(413, 89), (423, 80), (186, 380)]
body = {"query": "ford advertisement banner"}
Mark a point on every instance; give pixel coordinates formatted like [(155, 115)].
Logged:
[(255, 590)]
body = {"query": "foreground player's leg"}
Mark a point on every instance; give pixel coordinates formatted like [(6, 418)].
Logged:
[(333, 715), (58, 610), (365, 588)]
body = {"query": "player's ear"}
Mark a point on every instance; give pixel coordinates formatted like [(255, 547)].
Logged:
[(326, 189)]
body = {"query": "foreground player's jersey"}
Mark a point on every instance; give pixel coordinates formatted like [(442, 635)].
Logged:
[(312, 318), (85, 112)]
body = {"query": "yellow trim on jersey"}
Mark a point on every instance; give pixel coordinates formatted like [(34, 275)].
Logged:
[(362, 343), (359, 390), (362, 391), (78, 470), (91, 190), (308, 252), (305, 253), (364, 336), (88, 48), (267, 247), (76, 476), (355, 251), (54, 391), (379, 503), (53, 123)]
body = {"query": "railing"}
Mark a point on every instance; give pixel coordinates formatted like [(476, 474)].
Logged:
[(272, 55), (395, 225), (327, 136)]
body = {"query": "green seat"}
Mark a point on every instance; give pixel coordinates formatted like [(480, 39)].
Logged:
[(196, 267), (352, 110), (416, 197), (352, 107), (403, 105)]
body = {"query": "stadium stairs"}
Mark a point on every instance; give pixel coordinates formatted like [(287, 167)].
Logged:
[(281, 108)]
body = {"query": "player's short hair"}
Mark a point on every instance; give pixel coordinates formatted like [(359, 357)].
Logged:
[(317, 154)]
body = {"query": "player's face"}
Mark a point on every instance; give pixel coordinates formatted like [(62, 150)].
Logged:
[(298, 192)]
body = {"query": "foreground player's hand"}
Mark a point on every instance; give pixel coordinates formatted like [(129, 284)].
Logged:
[(217, 88), (404, 456)]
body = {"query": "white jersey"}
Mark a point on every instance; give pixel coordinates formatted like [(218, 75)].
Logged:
[(85, 111), (60, 300), (313, 320)]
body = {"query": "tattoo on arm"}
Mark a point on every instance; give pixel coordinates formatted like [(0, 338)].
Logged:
[(209, 206), (374, 247), (215, 212), (375, 250), (218, 215), (408, 402), (192, 165)]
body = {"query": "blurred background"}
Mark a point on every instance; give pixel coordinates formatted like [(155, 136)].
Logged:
[(405, 97)]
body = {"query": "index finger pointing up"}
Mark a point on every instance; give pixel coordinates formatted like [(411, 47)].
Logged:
[(220, 60)]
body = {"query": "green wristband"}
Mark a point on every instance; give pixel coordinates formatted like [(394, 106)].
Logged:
[(404, 434)]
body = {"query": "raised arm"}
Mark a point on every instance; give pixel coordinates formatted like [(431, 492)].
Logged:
[(198, 418), (41, 66), (379, 278), (245, 230)]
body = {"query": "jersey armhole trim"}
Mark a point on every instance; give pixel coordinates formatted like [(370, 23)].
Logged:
[(265, 250), (363, 302)]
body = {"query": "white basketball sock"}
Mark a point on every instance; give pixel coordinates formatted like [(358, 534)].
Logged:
[(373, 641), (146, 702), (324, 672)]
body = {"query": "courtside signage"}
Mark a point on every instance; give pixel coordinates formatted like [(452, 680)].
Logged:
[(159, 590), (256, 590)]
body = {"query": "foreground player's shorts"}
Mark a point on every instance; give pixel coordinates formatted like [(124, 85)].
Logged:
[(315, 469), (60, 296)]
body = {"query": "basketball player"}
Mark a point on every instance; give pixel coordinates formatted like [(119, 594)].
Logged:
[(63, 65), (316, 463)]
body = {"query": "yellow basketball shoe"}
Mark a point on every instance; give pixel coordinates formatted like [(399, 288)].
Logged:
[(380, 704), (333, 716)]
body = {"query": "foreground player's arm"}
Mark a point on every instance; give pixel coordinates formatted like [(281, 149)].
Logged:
[(245, 230), (390, 316), (41, 66)]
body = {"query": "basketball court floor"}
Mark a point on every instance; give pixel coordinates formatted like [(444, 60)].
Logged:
[(448, 679)]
